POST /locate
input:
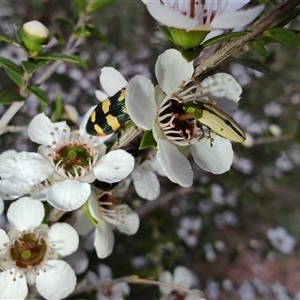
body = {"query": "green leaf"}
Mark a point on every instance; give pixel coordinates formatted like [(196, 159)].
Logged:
[(18, 34), (284, 36), (81, 31), (222, 38), (31, 67), (64, 21), (274, 2), (7, 38), (51, 56), (147, 140), (80, 6), (253, 64), (97, 4), (8, 64), (257, 48), (40, 94), (58, 108), (95, 32), (7, 97), (15, 77)]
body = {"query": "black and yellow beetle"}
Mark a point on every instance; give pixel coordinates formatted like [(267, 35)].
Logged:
[(215, 119), (109, 115)]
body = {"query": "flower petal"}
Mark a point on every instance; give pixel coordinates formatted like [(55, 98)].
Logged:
[(172, 69), (63, 238), (26, 214), (168, 17), (7, 154), (112, 80), (57, 282), (140, 102), (3, 240), (176, 165), (235, 19), (225, 6), (145, 183), (130, 220), (12, 285), (104, 239), (221, 89), (114, 166), (68, 194), (216, 159), (165, 276), (78, 261), (101, 96), (183, 277), (42, 131), (26, 168)]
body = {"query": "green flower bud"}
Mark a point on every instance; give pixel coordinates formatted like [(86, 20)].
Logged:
[(187, 39), (35, 36)]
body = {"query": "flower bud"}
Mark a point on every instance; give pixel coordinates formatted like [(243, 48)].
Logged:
[(187, 39), (35, 36)]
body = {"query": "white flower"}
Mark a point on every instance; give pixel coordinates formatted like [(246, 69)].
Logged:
[(189, 229), (70, 161), (182, 277), (160, 110), (29, 253), (193, 15), (109, 216), (281, 240), (144, 177), (108, 292)]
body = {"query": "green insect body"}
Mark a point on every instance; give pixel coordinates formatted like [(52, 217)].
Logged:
[(215, 119)]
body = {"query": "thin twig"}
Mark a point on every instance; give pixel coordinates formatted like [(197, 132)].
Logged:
[(271, 139), (264, 23), (134, 279)]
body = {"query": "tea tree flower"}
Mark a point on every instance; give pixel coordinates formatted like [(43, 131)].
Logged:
[(182, 277), (106, 216), (194, 15), (106, 292), (160, 109), (69, 161), (281, 240), (30, 253), (189, 229)]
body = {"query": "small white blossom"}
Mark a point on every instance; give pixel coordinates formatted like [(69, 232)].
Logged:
[(29, 253), (189, 229), (36, 29), (107, 217), (159, 109), (209, 252), (182, 277), (246, 291), (194, 15), (212, 290), (115, 291), (280, 292), (281, 240)]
